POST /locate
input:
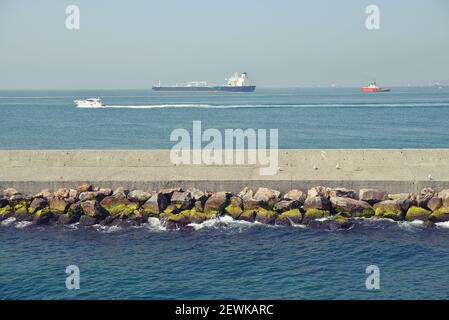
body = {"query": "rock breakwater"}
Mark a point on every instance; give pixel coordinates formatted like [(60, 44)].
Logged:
[(177, 208)]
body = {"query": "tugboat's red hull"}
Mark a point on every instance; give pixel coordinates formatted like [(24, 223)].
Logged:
[(364, 89)]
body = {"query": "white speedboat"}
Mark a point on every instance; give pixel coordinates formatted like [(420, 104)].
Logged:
[(89, 103)]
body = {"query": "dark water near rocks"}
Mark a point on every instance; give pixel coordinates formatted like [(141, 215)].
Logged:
[(306, 118), (232, 260)]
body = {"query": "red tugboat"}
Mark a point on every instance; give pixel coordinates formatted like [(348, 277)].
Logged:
[(373, 87)]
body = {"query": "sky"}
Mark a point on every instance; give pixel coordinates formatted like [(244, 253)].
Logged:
[(280, 43)]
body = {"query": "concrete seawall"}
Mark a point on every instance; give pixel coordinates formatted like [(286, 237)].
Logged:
[(393, 170)]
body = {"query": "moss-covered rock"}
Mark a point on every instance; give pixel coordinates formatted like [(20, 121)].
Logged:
[(43, 216), (341, 222), (289, 217), (6, 212), (389, 209), (417, 213), (117, 206), (349, 207), (248, 215), (216, 203), (266, 216), (156, 204), (313, 214), (58, 205), (37, 204), (440, 215), (235, 207)]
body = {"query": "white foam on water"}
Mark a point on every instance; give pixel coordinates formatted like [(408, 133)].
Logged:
[(226, 222), (107, 229), (411, 225), (23, 224), (443, 225), (154, 224), (8, 221), (323, 219)]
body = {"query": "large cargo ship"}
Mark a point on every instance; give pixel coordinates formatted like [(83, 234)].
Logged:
[(236, 83)]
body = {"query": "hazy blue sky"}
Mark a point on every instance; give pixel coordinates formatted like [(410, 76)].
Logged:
[(133, 44)]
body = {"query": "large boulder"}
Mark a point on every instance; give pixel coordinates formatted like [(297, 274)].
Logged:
[(43, 216), (440, 215), (350, 207), (6, 212), (9, 192), (318, 191), (62, 193), (184, 218), (58, 205), (343, 193), (314, 214), (37, 204), (390, 209), (86, 221), (235, 207), (444, 195), (266, 216), (139, 196), (435, 203), (182, 200), (248, 215), (296, 195), (424, 197), (372, 196), (92, 208), (417, 213), (318, 202), (247, 196), (85, 187), (45, 193), (88, 196), (156, 204), (118, 205), (216, 203), (286, 205), (267, 197), (120, 192), (289, 218)]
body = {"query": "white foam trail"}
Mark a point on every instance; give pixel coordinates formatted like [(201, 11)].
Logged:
[(8, 221), (223, 221), (233, 106), (107, 229), (23, 224), (411, 225)]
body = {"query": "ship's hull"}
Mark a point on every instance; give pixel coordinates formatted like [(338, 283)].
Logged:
[(205, 89), (374, 90)]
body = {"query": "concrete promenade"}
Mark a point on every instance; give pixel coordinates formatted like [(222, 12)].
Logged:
[(393, 170)]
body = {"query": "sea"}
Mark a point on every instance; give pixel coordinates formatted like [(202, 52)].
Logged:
[(223, 258)]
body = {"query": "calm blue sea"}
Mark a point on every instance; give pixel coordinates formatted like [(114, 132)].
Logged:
[(306, 118), (226, 259)]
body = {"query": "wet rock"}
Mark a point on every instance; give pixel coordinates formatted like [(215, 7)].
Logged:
[(92, 208), (139, 196), (216, 203), (235, 207), (321, 203), (390, 209), (75, 211), (85, 187), (440, 215), (42, 216), (289, 218), (15, 198), (435, 203), (266, 216), (417, 213), (156, 204), (23, 215), (184, 218), (372, 196), (118, 205), (342, 193), (424, 197), (182, 200), (296, 195), (6, 212), (248, 215), (286, 205), (318, 191), (168, 192), (350, 207), (87, 221), (3, 201), (65, 219), (58, 205), (314, 214), (37, 204)]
